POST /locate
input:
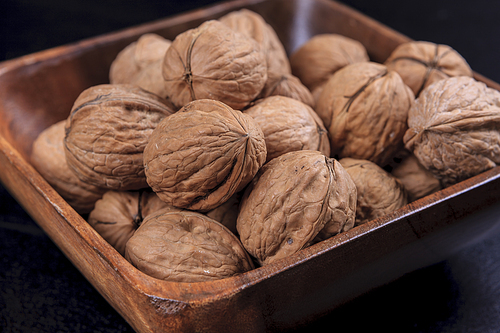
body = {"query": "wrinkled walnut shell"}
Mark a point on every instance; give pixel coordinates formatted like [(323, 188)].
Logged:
[(289, 125), (365, 108), (200, 156), (322, 55), (140, 64), (227, 213), (214, 62), (378, 192), (421, 63), (118, 214), (186, 247), (295, 200), (454, 129), (289, 86), (49, 160)]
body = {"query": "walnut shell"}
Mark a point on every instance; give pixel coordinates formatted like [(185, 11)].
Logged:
[(203, 154), (289, 86), (49, 160), (106, 133), (227, 213), (324, 54), (378, 192), (118, 214), (421, 63), (253, 25), (454, 129), (214, 62), (186, 247), (289, 125), (417, 180), (295, 199), (140, 64), (365, 108)]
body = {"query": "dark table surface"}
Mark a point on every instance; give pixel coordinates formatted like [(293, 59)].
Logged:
[(41, 291)]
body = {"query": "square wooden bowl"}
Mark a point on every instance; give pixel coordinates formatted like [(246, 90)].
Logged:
[(38, 90)]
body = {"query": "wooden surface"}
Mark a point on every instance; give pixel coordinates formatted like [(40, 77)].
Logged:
[(281, 297)]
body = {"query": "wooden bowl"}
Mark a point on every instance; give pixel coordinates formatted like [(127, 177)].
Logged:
[(38, 90)]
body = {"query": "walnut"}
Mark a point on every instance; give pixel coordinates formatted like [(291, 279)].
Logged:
[(186, 247), (295, 200), (49, 160), (289, 86), (417, 180), (140, 64), (421, 63), (289, 125), (118, 214), (322, 55), (200, 156), (227, 213), (214, 62), (106, 132), (454, 129), (364, 107), (253, 25), (378, 192)]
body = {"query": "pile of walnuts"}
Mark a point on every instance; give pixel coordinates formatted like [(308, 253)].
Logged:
[(215, 153)]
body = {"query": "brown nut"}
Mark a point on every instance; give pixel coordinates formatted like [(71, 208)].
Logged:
[(289, 86), (378, 192), (417, 180), (322, 55), (106, 133), (295, 200), (253, 25), (186, 247), (289, 125), (118, 214), (454, 129), (49, 160), (203, 154), (140, 64), (365, 107), (421, 63), (227, 213), (214, 62)]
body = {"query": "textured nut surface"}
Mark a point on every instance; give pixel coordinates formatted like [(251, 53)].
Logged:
[(324, 54), (118, 214), (106, 132), (365, 108), (289, 86), (289, 125), (186, 247), (421, 63), (140, 64), (294, 200), (214, 62), (49, 160), (378, 192), (203, 154), (454, 129), (227, 213), (253, 25)]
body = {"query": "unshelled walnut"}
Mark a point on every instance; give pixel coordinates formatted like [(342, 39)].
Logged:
[(200, 156), (289, 125), (227, 213), (454, 129), (287, 85), (214, 62), (295, 200), (186, 247), (106, 132), (49, 159), (421, 63), (378, 192), (365, 107), (324, 54), (140, 64), (253, 25), (118, 214), (417, 180)]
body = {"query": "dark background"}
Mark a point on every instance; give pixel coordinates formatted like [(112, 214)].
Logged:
[(41, 291)]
